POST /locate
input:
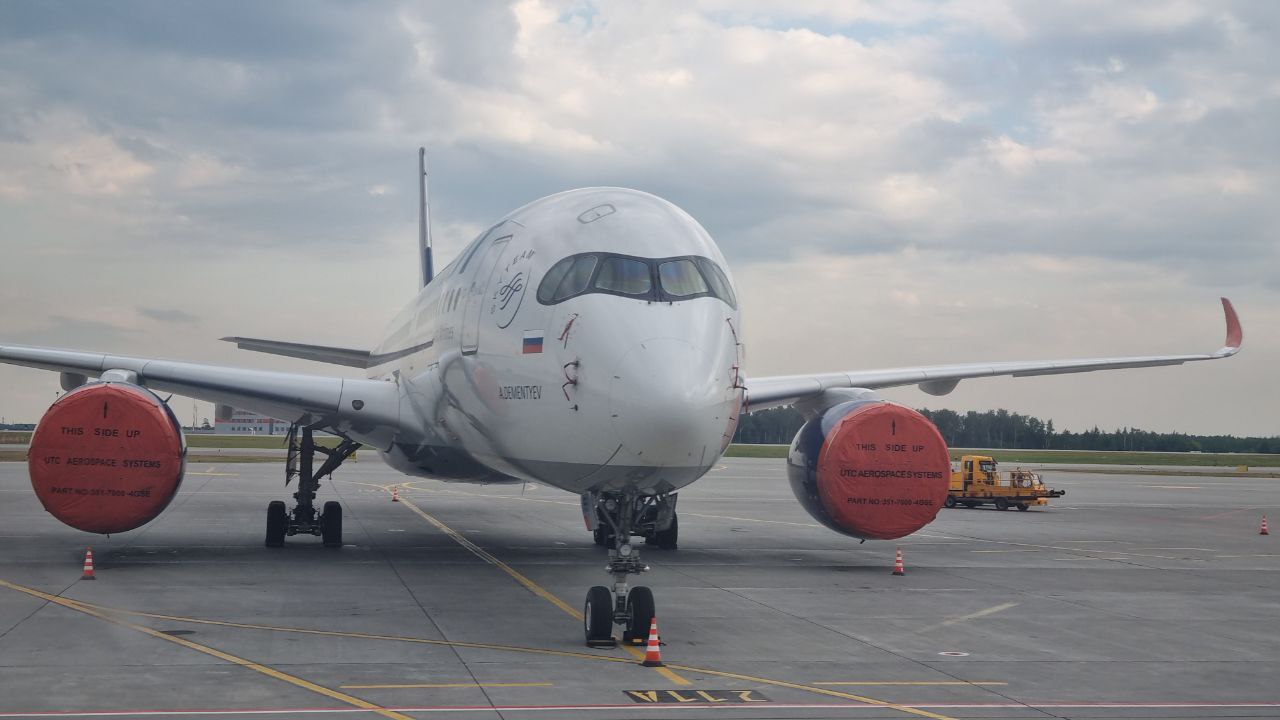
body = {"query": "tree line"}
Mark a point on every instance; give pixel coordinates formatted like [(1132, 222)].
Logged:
[(1010, 430)]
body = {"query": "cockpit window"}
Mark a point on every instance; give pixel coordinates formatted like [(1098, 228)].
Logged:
[(655, 280), (720, 286), (680, 278), (627, 276), (567, 278)]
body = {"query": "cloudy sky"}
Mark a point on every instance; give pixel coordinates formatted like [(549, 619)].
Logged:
[(894, 183)]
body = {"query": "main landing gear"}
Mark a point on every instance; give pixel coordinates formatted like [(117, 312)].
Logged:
[(304, 520), (619, 516)]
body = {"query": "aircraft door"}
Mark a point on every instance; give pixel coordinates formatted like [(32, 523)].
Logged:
[(477, 287)]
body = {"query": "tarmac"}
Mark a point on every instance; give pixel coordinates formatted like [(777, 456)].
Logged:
[(1135, 596)]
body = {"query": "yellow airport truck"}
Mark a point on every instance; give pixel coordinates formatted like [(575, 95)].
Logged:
[(977, 481)]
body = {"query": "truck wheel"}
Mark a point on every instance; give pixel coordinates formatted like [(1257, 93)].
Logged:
[(1002, 504), (1022, 506), (949, 502)]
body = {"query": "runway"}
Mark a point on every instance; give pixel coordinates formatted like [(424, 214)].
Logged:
[(1142, 596)]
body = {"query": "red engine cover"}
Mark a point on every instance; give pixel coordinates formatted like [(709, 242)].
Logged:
[(883, 471), (106, 458)]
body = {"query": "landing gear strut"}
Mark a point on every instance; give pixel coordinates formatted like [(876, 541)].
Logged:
[(303, 519), (619, 516)]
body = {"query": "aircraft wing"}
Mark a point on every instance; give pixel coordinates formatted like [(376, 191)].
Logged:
[(331, 402), (765, 392), (320, 353)]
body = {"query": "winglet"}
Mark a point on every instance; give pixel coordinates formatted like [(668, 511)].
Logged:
[(1235, 335)]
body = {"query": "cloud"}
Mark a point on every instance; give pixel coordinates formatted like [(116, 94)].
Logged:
[(168, 315), (247, 154)]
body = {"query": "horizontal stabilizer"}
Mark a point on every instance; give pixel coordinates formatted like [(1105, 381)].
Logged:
[(319, 353)]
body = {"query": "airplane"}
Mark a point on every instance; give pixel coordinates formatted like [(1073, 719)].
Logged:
[(590, 341)]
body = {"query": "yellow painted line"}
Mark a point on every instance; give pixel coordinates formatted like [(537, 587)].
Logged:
[(508, 648), (818, 690), (488, 557), (532, 586), (228, 657), (905, 683), (444, 685)]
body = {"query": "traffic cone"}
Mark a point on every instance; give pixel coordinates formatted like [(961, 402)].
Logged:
[(395, 493), (1263, 530), (897, 564), (88, 565), (653, 651)]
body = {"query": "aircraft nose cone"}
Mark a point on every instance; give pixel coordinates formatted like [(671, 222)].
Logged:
[(670, 404)]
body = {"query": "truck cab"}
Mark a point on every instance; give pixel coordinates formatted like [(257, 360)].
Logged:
[(978, 481)]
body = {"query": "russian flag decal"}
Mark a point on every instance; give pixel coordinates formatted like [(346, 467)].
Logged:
[(532, 342)]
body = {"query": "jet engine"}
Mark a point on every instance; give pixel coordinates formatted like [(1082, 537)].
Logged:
[(107, 457), (870, 469)]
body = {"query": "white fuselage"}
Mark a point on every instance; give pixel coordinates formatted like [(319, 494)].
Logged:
[(607, 389)]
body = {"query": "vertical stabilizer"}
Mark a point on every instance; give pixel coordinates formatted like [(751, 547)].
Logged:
[(424, 220)]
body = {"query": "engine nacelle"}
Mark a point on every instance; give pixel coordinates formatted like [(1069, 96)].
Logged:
[(870, 469), (107, 457)]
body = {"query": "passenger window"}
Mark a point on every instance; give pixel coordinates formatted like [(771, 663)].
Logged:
[(680, 278), (624, 276)]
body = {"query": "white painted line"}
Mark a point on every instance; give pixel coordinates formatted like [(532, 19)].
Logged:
[(971, 616)]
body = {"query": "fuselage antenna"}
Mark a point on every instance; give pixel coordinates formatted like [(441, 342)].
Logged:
[(424, 219)]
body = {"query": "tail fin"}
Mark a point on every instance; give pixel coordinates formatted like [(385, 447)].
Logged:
[(424, 220)]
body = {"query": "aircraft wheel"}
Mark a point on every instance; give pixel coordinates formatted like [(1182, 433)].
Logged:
[(667, 539), (1002, 504), (640, 612), (603, 537), (597, 615), (949, 502), (331, 524), (277, 523)]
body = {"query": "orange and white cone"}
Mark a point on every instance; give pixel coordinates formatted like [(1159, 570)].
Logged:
[(395, 493), (653, 651), (1263, 530), (897, 564), (88, 565)]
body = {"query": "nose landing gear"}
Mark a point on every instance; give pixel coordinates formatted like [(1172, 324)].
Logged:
[(618, 517), (303, 519)]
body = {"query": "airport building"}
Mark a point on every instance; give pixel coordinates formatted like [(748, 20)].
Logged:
[(233, 421)]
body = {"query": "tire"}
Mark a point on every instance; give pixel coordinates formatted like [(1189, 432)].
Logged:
[(668, 539), (640, 613), (1022, 506), (949, 502), (603, 537), (277, 523), (597, 615), (331, 524), (1002, 504)]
